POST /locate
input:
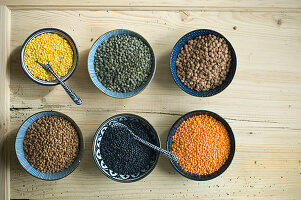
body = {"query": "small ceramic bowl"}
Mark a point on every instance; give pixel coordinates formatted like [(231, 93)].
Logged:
[(66, 37), (91, 67), (177, 49), (124, 178), (195, 176), (20, 152)]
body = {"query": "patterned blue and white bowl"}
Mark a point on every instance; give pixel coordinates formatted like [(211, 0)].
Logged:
[(66, 37), (20, 152), (177, 49), (172, 132), (124, 178), (91, 67)]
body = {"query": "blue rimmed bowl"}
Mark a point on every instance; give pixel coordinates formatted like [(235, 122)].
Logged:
[(91, 67), (173, 131), (177, 49), (63, 35), (124, 178), (20, 151)]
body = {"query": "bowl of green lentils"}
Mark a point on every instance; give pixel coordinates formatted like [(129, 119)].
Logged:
[(121, 63)]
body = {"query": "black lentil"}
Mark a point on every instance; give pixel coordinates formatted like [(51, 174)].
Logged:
[(51, 144), (122, 153), (123, 63)]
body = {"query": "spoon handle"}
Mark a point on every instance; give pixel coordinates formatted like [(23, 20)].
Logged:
[(72, 95), (166, 153)]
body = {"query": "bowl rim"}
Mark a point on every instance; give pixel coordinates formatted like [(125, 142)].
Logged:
[(80, 136), (152, 52), (230, 133), (234, 59), (94, 139), (42, 31)]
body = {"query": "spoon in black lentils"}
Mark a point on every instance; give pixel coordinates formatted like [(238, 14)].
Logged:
[(168, 154)]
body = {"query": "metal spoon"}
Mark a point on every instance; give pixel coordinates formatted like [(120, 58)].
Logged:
[(168, 154), (72, 95)]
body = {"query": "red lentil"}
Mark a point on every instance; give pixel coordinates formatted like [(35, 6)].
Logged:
[(202, 144)]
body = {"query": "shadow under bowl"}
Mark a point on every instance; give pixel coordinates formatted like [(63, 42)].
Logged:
[(91, 67), (21, 155), (177, 49), (100, 162), (173, 131), (63, 35)]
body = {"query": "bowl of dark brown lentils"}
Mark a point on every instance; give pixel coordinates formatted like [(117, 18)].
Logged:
[(203, 63), (121, 63), (49, 145)]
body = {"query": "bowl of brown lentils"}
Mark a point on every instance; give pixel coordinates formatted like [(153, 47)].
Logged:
[(203, 63), (49, 145)]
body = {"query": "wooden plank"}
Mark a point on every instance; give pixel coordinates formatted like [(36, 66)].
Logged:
[(166, 4), (262, 104), (4, 100)]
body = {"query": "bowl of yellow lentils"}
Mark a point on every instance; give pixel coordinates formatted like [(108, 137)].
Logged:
[(49, 46)]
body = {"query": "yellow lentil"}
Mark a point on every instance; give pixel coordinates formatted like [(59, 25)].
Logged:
[(48, 48), (202, 145)]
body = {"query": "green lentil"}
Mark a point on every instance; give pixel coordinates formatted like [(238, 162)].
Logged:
[(123, 63)]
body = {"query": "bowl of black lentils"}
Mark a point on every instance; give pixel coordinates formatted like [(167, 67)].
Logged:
[(49, 145), (203, 63), (121, 63), (118, 155)]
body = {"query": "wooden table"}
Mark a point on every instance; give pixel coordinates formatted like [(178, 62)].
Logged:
[(262, 104)]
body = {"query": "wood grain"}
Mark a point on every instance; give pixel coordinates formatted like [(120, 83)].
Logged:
[(262, 104), (4, 100)]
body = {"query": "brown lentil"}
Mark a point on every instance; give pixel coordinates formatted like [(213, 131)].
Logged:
[(202, 145), (204, 62), (51, 144)]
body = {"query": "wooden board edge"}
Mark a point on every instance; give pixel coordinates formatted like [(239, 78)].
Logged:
[(232, 5), (155, 8), (4, 101)]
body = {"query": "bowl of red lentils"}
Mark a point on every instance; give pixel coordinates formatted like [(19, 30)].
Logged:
[(203, 63), (49, 46), (204, 143)]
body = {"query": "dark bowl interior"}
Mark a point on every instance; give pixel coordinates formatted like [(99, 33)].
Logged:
[(195, 176), (66, 37), (124, 178), (174, 55), (21, 155)]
